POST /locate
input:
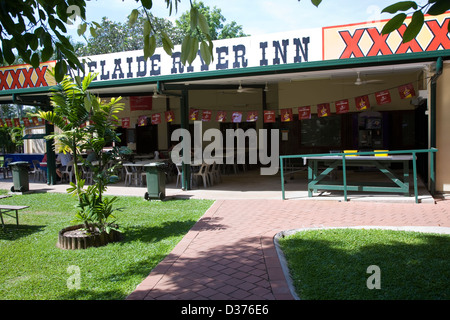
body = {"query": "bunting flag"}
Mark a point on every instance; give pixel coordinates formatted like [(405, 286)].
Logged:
[(1, 122), (286, 115), (252, 116), (342, 106), (221, 116), (142, 121), (156, 118), (236, 117), (169, 115), (362, 103), (323, 110), (9, 123), (193, 114), (304, 113), (17, 122), (406, 91), (383, 97), (35, 121), (26, 122), (206, 115), (269, 116)]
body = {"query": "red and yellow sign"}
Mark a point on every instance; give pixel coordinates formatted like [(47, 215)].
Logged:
[(365, 39), (304, 113), (24, 76)]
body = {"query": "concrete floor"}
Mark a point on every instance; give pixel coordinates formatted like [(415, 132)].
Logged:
[(251, 185)]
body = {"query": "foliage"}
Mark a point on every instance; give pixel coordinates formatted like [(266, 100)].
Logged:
[(10, 139), (36, 29), (74, 106), (117, 37), (215, 21)]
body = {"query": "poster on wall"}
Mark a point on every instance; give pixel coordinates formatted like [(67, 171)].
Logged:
[(342, 106), (304, 113), (286, 115), (269, 116), (156, 118), (362, 102), (170, 116), (383, 97), (236, 117), (206, 115), (138, 103), (406, 91), (323, 110), (125, 122), (142, 121), (252, 116), (193, 114), (221, 116)]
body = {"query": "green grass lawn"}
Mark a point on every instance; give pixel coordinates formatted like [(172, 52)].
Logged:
[(32, 267), (332, 264)]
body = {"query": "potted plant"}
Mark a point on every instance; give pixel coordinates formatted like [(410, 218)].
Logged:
[(86, 122)]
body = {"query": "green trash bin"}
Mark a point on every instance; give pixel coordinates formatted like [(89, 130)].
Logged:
[(156, 180), (20, 176)]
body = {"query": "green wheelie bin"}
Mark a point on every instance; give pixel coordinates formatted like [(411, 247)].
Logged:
[(20, 176), (156, 180)]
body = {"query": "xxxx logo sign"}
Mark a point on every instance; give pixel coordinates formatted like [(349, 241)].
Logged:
[(24, 76), (366, 40)]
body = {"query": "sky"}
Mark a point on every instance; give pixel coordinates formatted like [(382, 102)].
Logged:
[(256, 16)]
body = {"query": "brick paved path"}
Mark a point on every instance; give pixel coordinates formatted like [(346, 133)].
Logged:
[(230, 254)]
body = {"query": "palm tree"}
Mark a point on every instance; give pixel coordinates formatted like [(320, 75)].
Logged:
[(86, 123)]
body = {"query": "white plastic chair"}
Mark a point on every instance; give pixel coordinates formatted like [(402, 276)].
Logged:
[(68, 171), (87, 174), (130, 175), (178, 175), (203, 173), (37, 171), (216, 173)]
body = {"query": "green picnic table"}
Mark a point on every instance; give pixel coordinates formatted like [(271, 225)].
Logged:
[(397, 184)]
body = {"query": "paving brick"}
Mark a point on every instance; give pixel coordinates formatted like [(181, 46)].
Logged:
[(233, 256)]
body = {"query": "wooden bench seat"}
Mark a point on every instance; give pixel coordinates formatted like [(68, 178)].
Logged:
[(8, 208)]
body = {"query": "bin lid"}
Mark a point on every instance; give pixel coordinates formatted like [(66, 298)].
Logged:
[(19, 163)]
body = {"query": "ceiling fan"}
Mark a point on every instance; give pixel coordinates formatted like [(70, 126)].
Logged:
[(240, 89), (244, 90), (359, 81)]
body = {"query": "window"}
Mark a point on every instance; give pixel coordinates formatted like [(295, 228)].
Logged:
[(321, 132)]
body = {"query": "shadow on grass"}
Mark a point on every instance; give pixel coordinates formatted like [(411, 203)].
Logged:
[(14, 232), (323, 269)]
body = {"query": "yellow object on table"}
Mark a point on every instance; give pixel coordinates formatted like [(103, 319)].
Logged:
[(351, 151), (381, 154)]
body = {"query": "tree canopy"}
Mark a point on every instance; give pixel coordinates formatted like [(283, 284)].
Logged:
[(36, 30)]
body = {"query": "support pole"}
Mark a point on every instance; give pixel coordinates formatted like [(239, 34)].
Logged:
[(184, 110)]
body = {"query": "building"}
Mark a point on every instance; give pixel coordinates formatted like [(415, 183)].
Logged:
[(331, 88)]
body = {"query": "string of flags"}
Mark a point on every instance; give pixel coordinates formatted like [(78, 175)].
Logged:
[(269, 116), (323, 110), (17, 122)]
